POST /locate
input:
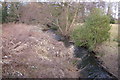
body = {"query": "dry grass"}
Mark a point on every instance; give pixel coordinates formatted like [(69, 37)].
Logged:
[(114, 31), (109, 49), (34, 54)]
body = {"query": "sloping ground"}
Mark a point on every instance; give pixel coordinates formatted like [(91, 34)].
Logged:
[(109, 52), (0, 51), (28, 52)]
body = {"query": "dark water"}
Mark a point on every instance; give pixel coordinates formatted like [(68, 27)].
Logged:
[(89, 65)]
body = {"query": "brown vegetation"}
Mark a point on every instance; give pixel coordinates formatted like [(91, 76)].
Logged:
[(30, 53)]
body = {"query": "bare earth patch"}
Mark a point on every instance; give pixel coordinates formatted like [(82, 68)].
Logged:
[(30, 53), (109, 51)]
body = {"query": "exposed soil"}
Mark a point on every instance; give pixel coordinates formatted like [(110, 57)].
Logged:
[(28, 52)]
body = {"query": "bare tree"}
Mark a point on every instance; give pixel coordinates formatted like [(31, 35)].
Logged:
[(66, 17), (35, 13)]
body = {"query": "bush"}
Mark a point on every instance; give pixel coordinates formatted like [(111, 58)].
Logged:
[(94, 31), (112, 20)]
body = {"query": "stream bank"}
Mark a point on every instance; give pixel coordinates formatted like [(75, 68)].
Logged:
[(28, 52), (88, 64)]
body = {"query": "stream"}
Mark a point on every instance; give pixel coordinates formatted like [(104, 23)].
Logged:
[(89, 65)]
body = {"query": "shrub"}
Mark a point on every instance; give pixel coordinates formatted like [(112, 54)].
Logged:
[(94, 31), (112, 20)]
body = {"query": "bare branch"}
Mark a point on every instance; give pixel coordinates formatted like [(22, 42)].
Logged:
[(67, 19), (74, 18)]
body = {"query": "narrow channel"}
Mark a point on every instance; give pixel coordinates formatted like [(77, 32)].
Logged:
[(89, 65)]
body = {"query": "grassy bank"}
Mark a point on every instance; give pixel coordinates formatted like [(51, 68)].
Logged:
[(108, 51)]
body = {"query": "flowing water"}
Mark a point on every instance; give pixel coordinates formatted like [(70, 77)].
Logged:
[(88, 64)]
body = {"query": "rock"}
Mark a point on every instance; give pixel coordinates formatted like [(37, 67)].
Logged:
[(5, 57), (48, 49), (33, 67), (57, 52), (53, 47), (41, 43), (17, 74), (6, 61)]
